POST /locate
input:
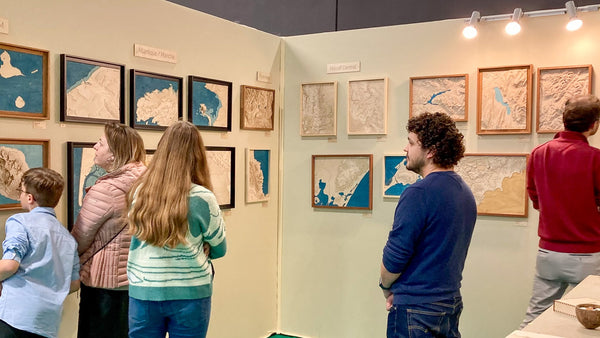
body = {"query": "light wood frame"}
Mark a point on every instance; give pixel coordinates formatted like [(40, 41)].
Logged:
[(353, 109), (264, 197), (461, 117), (330, 130)]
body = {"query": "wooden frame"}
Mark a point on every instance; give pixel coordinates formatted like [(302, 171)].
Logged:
[(16, 157), (149, 154), (555, 86), (497, 114), (367, 107), (396, 178), (209, 103), (318, 112), (24, 82), (507, 196), (257, 175), (80, 160), (447, 94), (221, 163), (351, 176), (91, 91), (151, 93), (257, 108)]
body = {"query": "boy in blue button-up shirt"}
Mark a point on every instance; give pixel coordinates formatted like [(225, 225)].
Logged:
[(40, 265)]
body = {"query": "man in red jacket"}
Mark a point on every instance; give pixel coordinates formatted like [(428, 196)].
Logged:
[(563, 182)]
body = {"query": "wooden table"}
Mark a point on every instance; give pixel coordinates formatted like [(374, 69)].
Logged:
[(562, 325)]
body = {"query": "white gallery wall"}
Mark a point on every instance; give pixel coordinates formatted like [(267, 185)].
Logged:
[(245, 288), (330, 259)]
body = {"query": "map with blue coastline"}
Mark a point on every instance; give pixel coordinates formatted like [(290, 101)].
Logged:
[(16, 159), (21, 82), (258, 175), (396, 177), (157, 101), (342, 182), (85, 174), (209, 104)]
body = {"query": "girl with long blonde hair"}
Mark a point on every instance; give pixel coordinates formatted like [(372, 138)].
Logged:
[(173, 215)]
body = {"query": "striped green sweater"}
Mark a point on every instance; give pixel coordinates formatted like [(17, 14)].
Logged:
[(183, 272)]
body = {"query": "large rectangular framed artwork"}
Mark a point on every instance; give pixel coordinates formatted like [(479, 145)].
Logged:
[(448, 94), (82, 173), (257, 175), (16, 157), (555, 86), (318, 113), (367, 107), (23, 82), (342, 181), (156, 100), (504, 100), (209, 103), (91, 91), (396, 178), (498, 182), (257, 108), (221, 163)]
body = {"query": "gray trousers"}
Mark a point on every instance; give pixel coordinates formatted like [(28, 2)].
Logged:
[(554, 272)]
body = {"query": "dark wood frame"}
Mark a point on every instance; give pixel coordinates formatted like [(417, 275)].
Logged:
[(313, 191), (244, 98), (466, 102), (480, 73), (133, 103), (44, 114), (45, 162), (539, 109), (195, 79), (64, 60), (231, 150), (71, 146)]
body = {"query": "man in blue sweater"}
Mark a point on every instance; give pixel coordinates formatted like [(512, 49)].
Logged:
[(424, 256)]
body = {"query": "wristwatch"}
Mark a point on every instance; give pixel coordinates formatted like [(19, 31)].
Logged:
[(383, 287)]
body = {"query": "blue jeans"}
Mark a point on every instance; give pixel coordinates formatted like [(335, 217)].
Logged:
[(180, 318), (439, 319)]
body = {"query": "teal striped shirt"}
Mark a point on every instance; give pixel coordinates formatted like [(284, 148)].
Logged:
[(183, 272)]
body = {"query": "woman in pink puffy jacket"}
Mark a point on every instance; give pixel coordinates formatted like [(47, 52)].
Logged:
[(101, 232)]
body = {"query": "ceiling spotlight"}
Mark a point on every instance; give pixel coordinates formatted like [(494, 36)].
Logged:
[(470, 31), (574, 22), (513, 27)]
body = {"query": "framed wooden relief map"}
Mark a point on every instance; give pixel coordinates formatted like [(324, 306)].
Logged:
[(221, 164), (318, 114), (91, 91), (448, 94), (555, 86), (342, 181), (396, 177), (16, 157), (257, 175), (82, 173), (209, 103), (498, 182), (23, 82), (257, 108), (504, 100), (156, 100), (367, 107)]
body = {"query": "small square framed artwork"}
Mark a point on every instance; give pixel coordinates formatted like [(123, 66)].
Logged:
[(257, 175), (342, 181), (91, 91), (448, 94), (209, 103), (555, 86), (156, 100), (16, 157), (367, 107), (23, 82), (257, 108)]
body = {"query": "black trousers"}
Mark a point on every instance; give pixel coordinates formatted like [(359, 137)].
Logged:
[(7, 331), (103, 313)]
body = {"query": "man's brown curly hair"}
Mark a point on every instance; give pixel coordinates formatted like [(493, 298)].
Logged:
[(438, 132)]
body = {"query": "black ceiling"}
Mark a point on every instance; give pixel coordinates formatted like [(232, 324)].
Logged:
[(297, 17)]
